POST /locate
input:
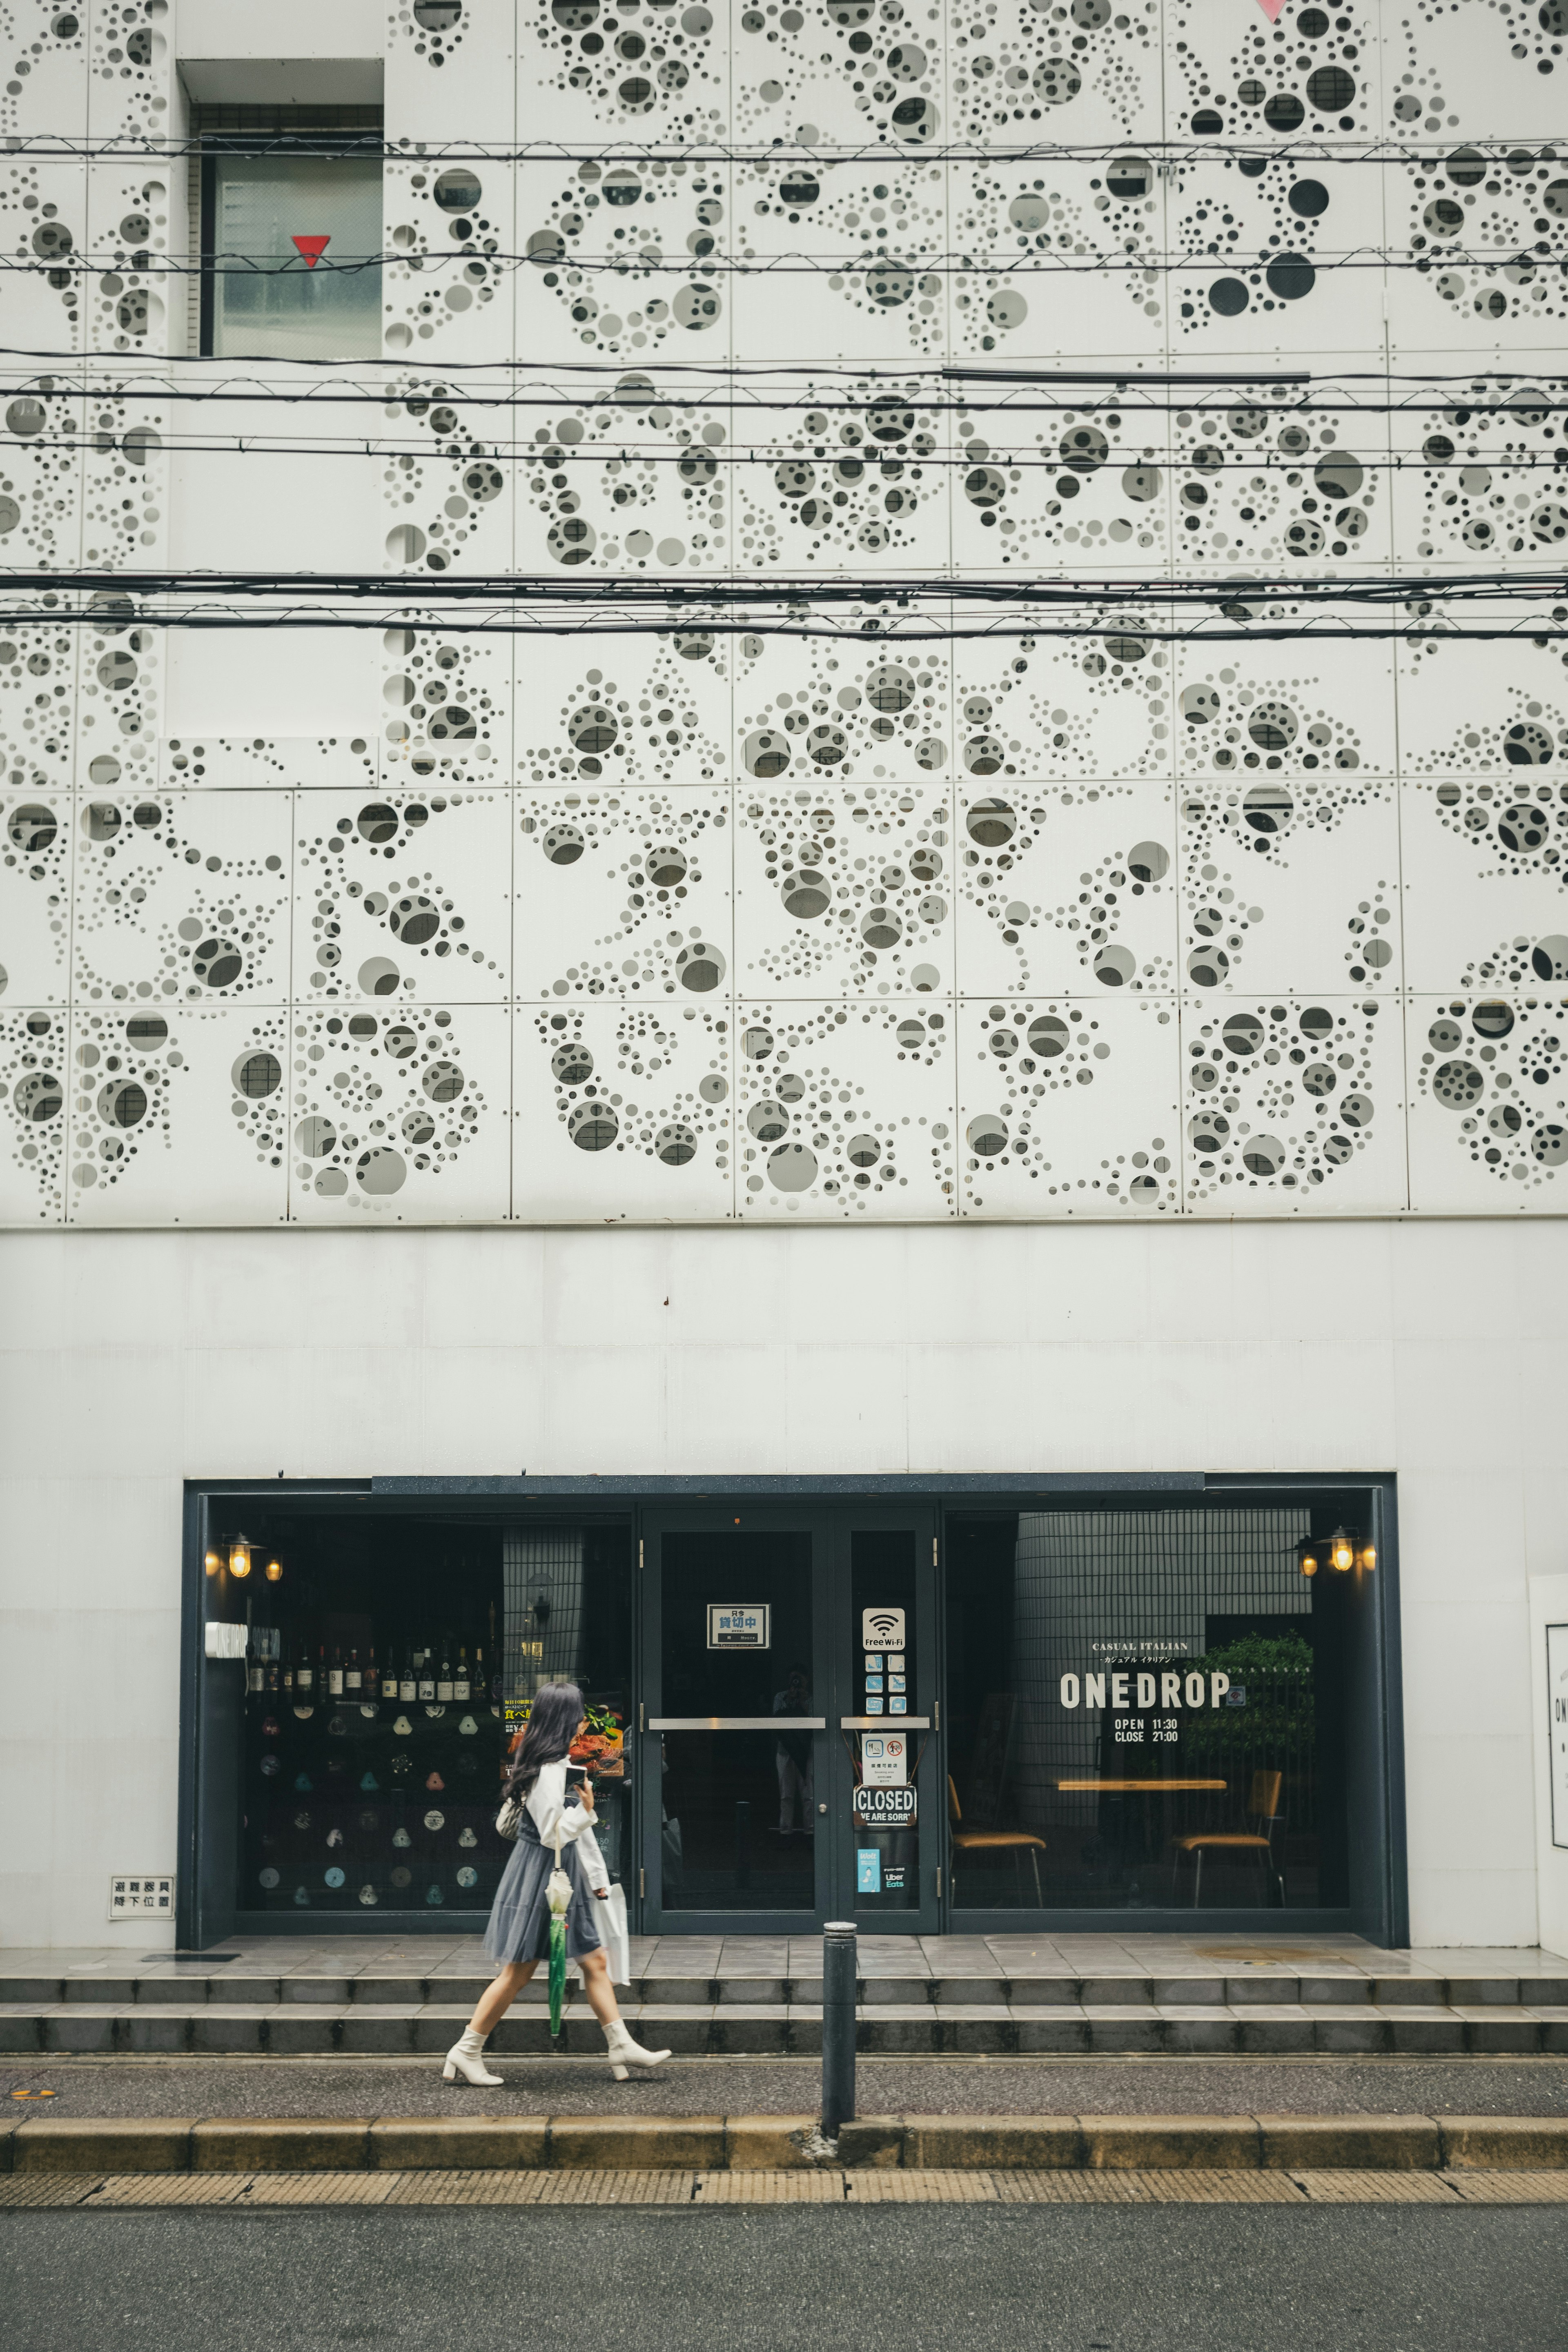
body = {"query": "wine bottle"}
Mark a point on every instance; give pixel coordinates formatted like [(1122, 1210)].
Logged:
[(322, 1673), (371, 1678), (272, 1679), (479, 1691), (335, 1674), (407, 1687), (427, 1675), (460, 1685), (444, 1689), (304, 1678), (353, 1680)]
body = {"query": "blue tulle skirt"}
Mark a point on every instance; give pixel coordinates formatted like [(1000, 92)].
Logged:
[(519, 1926)]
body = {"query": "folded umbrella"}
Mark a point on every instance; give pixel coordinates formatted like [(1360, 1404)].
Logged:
[(558, 1895)]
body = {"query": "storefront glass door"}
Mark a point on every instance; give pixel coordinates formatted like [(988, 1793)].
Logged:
[(735, 1730), (888, 1778), (788, 1661)]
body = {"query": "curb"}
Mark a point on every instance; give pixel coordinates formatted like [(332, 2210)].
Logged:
[(58, 2144)]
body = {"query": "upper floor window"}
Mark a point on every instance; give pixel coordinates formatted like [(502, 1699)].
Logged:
[(290, 232)]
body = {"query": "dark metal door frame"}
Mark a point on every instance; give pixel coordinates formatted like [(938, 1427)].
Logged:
[(924, 1917), (830, 1527), (654, 1524)]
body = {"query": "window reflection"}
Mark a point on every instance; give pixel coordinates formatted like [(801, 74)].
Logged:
[(1144, 1712), (295, 241)]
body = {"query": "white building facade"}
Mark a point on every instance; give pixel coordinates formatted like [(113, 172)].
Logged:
[(784, 811)]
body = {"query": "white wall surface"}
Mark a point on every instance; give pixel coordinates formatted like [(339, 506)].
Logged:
[(133, 1361), (1548, 1606), (285, 28)]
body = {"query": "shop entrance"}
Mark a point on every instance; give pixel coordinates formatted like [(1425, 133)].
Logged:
[(1176, 1709), (787, 1732)]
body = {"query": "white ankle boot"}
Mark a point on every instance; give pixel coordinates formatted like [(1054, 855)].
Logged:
[(466, 2057), (624, 2051)]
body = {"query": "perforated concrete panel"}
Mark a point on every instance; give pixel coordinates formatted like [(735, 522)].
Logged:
[(926, 609)]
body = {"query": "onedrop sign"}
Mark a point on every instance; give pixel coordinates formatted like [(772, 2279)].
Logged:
[(1174, 1690)]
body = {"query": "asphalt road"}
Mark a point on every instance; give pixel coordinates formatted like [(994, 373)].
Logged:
[(929, 2279), (736, 2086)]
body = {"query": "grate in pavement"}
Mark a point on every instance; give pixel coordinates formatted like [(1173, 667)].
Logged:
[(769, 2188), (617, 2188), (457, 2187), (316, 2189), (1510, 2188), (1392, 2189), (174, 2188), (870, 2187), (51, 2187), (1195, 2187), (937, 2187)]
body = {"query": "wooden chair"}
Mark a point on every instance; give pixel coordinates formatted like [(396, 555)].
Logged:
[(1263, 1807), (1018, 1843)]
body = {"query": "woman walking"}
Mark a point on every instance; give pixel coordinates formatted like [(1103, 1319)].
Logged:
[(518, 1936)]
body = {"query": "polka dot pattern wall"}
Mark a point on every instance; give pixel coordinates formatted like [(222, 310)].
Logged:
[(901, 575)]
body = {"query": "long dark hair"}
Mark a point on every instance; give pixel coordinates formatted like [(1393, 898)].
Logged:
[(553, 1721)]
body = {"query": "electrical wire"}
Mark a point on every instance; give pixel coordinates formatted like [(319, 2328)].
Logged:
[(807, 605), (630, 383), (1514, 157), (1537, 261)]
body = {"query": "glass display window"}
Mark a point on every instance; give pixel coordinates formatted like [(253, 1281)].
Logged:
[(1146, 1712), (388, 1674)]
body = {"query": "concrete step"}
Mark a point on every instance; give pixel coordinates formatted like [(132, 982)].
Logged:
[(189, 1986), (1100, 2144), (706, 2028)]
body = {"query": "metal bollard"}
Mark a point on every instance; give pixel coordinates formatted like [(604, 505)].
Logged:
[(838, 1970)]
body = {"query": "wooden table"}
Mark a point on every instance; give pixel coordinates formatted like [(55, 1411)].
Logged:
[(1146, 1789), (1139, 1787)]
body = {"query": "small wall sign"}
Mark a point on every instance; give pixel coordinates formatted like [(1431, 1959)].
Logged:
[(134, 1894), (885, 1809), (882, 1629), (884, 1759), (739, 1625)]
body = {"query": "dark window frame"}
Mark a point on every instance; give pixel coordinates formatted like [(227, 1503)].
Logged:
[(1379, 1910)]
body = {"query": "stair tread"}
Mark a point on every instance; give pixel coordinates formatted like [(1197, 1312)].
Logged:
[(1244, 2013)]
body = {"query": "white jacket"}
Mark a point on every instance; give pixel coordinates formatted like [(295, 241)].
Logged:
[(547, 1806)]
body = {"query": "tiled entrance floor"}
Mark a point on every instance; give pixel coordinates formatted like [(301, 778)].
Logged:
[(358, 1962)]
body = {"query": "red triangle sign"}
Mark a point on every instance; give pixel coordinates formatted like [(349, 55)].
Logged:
[(311, 248)]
